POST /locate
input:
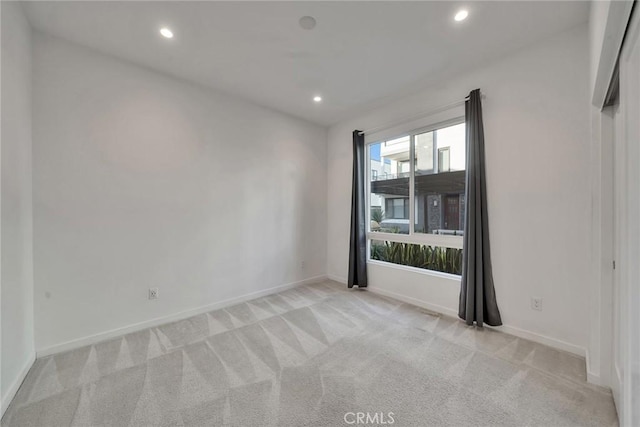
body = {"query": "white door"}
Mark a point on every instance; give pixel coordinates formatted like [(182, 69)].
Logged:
[(630, 101), (618, 226), (626, 347)]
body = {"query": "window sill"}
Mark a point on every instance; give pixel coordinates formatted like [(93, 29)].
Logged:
[(443, 240), (416, 270)]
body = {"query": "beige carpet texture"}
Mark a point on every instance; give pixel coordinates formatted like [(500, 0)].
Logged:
[(315, 355)]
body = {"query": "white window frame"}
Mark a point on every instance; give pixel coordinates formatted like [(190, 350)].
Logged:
[(434, 240)]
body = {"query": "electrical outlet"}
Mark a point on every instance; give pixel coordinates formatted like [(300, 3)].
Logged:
[(153, 293), (536, 303), (302, 265)]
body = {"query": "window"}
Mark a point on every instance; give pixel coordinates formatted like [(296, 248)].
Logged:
[(390, 190), (416, 198), (397, 208), (443, 160)]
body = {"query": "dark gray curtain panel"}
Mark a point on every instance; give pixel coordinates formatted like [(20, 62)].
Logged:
[(477, 294), (358, 240)]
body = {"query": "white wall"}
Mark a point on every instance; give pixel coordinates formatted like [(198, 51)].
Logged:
[(141, 180), (17, 255), (536, 117)]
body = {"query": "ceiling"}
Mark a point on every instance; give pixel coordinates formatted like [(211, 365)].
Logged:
[(360, 55)]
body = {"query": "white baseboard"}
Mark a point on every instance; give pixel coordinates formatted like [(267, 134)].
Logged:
[(511, 330), (338, 279), (542, 339), (592, 377), (102, 336), (15, 385), (616, 386), (414, 301)]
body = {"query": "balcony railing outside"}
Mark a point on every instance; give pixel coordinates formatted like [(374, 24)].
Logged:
[(387, 176)]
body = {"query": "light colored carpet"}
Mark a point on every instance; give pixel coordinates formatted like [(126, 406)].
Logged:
[(306, 357)]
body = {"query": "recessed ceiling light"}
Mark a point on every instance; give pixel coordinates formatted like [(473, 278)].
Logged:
[(307, 22), (166, 33), (461, 15), (317, 98)]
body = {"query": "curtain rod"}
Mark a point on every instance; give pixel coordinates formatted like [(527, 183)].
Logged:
[(417, 116)]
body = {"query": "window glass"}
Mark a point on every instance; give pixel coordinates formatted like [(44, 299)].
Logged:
[(389, 199), (445, 260), (439, 197)]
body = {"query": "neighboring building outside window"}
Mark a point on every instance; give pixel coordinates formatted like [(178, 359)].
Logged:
[(443, 160), (397, 208)]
